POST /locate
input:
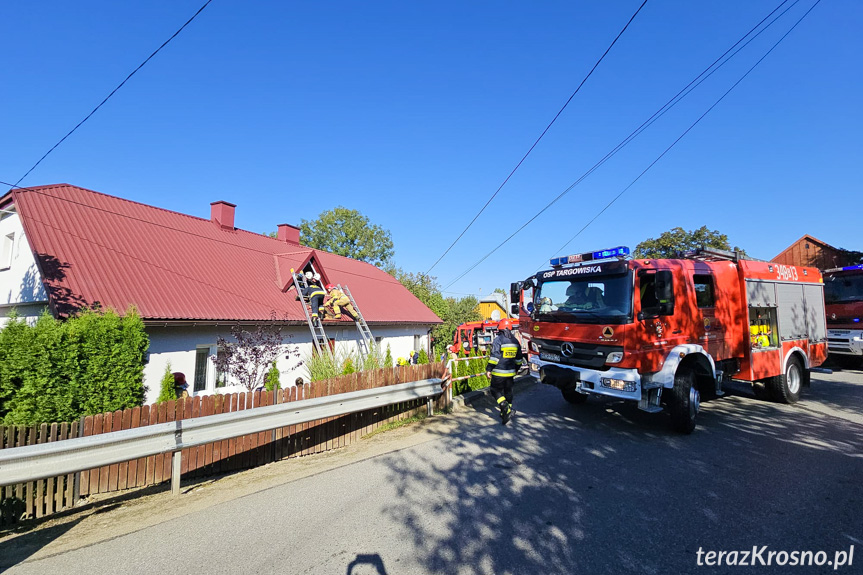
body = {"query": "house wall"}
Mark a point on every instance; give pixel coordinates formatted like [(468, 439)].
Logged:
[(179, 344), (808, 252), (20, 283)]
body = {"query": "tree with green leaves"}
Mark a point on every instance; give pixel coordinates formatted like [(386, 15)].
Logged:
[(676, 240), (452, 311), (348, 233)]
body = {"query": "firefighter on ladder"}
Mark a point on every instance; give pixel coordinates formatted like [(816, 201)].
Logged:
[(336, 301), (315, 295), (503, 363)]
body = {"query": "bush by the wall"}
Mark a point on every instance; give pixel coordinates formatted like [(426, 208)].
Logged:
[(166, 387), (57, 371), (423, 357), (272, 380)]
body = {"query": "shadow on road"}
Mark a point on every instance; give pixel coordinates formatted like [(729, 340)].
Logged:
[(356, 567), (605, 488)]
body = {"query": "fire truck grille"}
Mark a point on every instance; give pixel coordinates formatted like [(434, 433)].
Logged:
[(576, 354)]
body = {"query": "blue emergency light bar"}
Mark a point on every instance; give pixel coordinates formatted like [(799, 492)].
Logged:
[(590, 256), (845, 269)]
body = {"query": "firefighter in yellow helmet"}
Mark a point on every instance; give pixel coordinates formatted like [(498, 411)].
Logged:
[(503, 363), (336, 301)]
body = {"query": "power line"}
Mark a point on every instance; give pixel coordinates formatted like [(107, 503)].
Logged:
[(706, 73), (78, 125), (617, 197), (559, 112)]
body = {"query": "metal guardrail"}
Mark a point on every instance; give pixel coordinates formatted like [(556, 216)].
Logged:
[(34, 462)]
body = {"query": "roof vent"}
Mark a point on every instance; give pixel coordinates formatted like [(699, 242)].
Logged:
[(222, 214), (288, 233)]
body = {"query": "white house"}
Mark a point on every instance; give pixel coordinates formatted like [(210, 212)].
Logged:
[(191, 279)]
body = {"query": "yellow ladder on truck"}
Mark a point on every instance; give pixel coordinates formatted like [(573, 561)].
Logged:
[(319, 336), (367, 340)]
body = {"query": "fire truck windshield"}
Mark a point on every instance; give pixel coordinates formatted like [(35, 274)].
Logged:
[(598, 299), (843, 288)]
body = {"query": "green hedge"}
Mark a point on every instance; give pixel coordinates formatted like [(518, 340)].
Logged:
[(471, 366), (58, 371)]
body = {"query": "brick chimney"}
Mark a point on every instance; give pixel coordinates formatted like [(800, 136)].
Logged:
[(288, 233), (222, 214)]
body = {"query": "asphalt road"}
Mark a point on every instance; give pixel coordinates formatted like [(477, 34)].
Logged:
[(595, 488)]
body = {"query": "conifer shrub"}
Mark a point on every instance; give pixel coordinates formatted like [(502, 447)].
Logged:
[(55, 371), (166, 387)]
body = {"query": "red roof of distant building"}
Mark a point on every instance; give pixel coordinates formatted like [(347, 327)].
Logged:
[(94, 248)]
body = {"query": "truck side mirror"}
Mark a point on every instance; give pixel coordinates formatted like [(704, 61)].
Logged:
[(513, 309)]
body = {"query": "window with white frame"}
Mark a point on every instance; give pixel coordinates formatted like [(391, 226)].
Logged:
[(6, 251), (207, 376)]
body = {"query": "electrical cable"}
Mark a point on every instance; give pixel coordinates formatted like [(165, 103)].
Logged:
[(559, 112), (165, 43), (706, 73), (617, 197)]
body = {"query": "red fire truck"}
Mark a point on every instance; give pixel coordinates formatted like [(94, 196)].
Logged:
[(666, 332), (843, 294), (475, 335)]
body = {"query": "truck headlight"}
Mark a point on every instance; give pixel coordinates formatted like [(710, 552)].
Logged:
[(614, 357), (618, 384)]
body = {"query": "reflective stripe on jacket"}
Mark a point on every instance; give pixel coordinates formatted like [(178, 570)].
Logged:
[(505, 355)]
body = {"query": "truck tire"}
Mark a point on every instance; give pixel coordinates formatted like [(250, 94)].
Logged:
[(573, 396), (785, 388), (684, 401)]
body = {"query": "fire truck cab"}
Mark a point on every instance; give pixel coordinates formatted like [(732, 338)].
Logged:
[(843, 294), (667, 332)]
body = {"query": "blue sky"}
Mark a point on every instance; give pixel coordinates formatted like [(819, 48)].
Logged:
[(415, 112)]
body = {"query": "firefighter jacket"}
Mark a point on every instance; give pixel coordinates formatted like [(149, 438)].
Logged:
[(314, 289), (336, 296), (505, 356)]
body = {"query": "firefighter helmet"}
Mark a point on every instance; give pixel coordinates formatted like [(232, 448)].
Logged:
[(504, 324), (330, 287), (309, 275), (574, 289), (317, 277)]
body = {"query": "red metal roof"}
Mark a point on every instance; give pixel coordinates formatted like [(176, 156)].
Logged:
[(91, 247)]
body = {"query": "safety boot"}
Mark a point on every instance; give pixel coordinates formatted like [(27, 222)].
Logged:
[(505, 412)]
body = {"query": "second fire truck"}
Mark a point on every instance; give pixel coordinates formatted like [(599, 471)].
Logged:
[(843, 294), (666, 332)]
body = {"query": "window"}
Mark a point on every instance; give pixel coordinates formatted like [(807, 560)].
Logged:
[(6, 251), (202, 355), (416, 343), (704, 294), (656, 292)]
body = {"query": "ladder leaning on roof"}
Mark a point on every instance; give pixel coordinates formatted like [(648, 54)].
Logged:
[(319, 336), (367, 340)]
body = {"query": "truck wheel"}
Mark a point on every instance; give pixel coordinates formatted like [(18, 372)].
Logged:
[(684, 401), (573, 396), (785, 388)]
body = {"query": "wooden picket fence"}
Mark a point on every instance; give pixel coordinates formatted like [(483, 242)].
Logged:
[(44, 497)]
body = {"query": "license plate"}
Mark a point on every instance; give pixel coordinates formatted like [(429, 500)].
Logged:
[(549, 356)]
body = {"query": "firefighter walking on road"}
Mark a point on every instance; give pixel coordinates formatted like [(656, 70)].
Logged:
[(336, 301), (502, 366)]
